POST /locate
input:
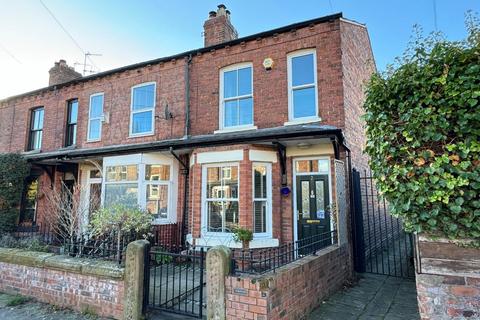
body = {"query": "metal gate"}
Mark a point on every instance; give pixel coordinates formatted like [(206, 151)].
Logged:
[(381, 244), (175, 282)]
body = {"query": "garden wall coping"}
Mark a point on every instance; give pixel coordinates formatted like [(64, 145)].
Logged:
[(88, 267)]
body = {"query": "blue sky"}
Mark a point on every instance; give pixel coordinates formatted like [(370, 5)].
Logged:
[(126, 32)]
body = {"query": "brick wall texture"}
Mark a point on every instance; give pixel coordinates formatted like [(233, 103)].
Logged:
[(448, 280), (64, 289), (293, 291)]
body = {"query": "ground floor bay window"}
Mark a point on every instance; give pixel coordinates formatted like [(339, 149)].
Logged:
[(147, 180)]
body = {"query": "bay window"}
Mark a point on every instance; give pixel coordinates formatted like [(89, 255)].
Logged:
[(236, 97), (144, 180), (302, 86), (142, 111), (221, 188)]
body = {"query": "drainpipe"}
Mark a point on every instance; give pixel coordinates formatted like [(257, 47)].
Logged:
[(186, 173), (187, 96)]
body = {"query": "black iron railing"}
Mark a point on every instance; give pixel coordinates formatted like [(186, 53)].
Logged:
[(259, 261)]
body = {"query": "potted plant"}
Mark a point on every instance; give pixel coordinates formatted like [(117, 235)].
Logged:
[(243, 235)]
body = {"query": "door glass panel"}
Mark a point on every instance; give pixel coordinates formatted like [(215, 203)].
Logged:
[(306, 199), (320, 199)]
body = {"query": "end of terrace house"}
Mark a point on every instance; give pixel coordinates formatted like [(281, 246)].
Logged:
[(259, 131)]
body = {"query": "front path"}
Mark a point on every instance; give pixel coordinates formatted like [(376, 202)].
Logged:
[(373, 297)]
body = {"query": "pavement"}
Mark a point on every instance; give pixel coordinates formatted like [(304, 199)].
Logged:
[(374, 297), (32, 310)]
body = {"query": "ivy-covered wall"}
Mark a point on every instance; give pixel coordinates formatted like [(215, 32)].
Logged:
[(13, 171)]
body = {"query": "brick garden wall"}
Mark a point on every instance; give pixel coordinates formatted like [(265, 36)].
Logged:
[(73, 283), (448, 280), (293, 290)]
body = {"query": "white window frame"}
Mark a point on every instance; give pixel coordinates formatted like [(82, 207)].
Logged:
[(152, 109), (268, 200), (222, 100), (100, 118), (204, 218), (291, 118), (141, 160)]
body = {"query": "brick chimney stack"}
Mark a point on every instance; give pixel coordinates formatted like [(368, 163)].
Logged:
[(218, 28), (61, 73)]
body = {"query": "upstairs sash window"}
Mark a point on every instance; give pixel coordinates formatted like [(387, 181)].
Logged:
[(95, 117), (36, 129), (142, 114), (236, 96), (71, 128), (302, 85)]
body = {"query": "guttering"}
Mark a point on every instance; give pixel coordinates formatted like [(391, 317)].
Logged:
[(193, 142), (187, 95)]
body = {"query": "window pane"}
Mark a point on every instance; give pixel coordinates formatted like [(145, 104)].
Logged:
[(122, 173), (73, 111), (230, 84), (94, 132), (260, 216), (231, 113), (156, 172), (231, 215), (244, 81), (323, 166), (246, 111), (36, 139), (142, 122), (260, 182), (214, 188), (157, 200), (306, 166), (37, 119), (214, 216), (230, 183), (143, 97), (95, 174), (304, 102), (96, 106), (124, 193), (302, 70)]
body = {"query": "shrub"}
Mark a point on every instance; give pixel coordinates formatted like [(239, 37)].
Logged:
[(120, 219), (13, 171), (28, 243), (423, 130)]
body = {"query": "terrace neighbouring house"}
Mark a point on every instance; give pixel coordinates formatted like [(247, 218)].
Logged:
[(258, 131)]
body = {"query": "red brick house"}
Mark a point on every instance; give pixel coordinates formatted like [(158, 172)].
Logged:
[(257, 131)]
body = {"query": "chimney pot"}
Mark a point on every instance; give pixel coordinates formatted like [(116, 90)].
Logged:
[(212, 14), (221, 6)]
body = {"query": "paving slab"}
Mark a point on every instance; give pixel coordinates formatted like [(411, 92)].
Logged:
[(374, 297)]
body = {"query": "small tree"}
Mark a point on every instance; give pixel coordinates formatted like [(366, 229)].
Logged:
[(13, 171), (67, 210), (423, 130), (120, 219)]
